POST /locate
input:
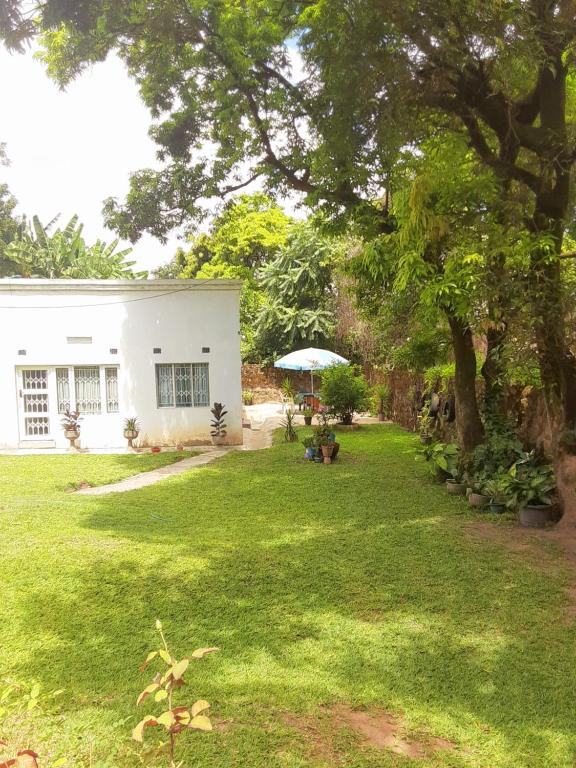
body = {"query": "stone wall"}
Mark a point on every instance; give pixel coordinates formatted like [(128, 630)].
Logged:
[(525, 405)]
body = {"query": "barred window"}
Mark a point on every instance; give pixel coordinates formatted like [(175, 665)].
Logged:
[(87, 384), (63, 389), (182, 385), (164, 386), (111, 379), (201, 384)]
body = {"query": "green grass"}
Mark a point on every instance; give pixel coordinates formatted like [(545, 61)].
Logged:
[(354, 583)]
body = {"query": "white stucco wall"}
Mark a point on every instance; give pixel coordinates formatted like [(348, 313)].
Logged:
[(134, 317)]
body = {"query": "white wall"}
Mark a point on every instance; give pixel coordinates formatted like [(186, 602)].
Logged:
[(133, 317)]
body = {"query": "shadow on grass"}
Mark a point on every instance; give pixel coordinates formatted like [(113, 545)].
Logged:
[(344, 583)]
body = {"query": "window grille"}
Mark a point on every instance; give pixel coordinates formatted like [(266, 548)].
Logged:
[(111, 376), (36, 426), (63, 389), (164, 386), (182, 385), (201, 384), (183, 381), (36, 403), (35, 379), (87, 386)]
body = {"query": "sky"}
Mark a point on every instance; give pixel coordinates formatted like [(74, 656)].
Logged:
[(69, 150)]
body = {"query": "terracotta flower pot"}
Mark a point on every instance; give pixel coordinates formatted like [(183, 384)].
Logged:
[(327, 451), (308, 420), (456, 489), (478, 500)]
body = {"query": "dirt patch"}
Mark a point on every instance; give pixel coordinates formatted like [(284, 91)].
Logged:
[(547, 551), (527, 542), (376, 730)]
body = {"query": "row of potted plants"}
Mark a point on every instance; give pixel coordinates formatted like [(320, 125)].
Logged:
[(71, 426), (321, 446), (131, 428), (526, 487)]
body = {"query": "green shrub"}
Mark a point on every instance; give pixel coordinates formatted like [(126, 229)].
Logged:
[(381, 398), (344, 390)]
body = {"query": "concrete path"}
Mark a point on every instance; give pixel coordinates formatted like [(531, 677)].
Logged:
[(258, 437)]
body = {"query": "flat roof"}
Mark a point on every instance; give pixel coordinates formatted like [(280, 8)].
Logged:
[(16, 284)]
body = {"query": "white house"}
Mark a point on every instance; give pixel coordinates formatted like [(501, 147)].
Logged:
[(160, 350)]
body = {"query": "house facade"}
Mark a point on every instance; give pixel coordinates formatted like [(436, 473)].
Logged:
[(160, 350)]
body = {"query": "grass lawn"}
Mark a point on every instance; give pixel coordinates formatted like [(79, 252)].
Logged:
[(355, 585)]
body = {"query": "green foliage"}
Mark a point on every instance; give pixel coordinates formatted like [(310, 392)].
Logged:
[(531, 482), (64, 254), (287, 424), (11, 226), (298, 291), (443, 460), (424, 349), (381, 398), (174, 719), (344, 391), (499, 451), (131, 424), (248, 397), (438, 377), (498, 489), (287, 388)]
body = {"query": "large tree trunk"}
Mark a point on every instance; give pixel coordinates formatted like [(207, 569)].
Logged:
[(468, 422), (557, 362)]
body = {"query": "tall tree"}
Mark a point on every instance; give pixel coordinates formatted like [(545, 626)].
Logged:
[(11, 226), (246, 234), (298, 294)]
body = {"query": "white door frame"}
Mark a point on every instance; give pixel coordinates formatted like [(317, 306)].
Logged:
[(36, 403)]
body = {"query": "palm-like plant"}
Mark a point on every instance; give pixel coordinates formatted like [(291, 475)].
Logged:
[(63, 253)]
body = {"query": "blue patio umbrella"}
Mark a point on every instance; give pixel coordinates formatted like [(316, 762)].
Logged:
[(310, 359)]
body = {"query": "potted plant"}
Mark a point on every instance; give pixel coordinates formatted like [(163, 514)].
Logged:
[(477, 496), (381, 400), (532, 488), (290, 435), (443, 459), (131, 430), (218, 424), (455, 483), (308, 414), (324, 433), (344, 392), (327, 448), (71, 426), (498, 490), (248, 398), (309, 449)]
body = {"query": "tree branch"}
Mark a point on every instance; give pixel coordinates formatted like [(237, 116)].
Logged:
[(235, 187)]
